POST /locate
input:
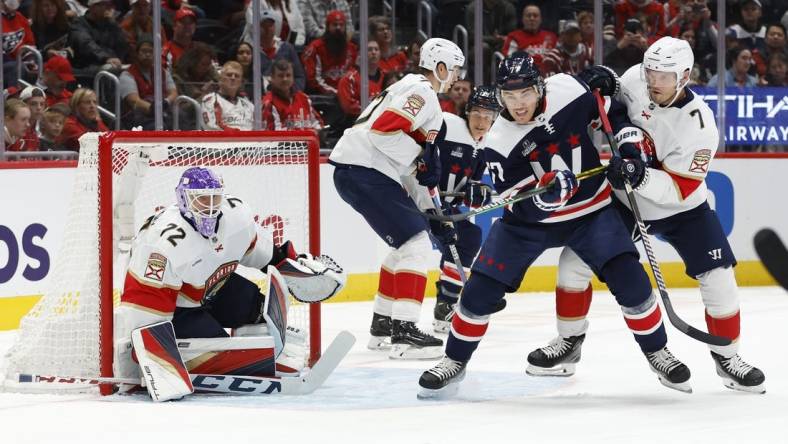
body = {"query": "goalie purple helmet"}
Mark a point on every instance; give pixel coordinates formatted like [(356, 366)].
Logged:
[(200, 193)]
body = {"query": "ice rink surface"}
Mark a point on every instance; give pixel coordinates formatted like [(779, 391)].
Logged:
[(613, 397)]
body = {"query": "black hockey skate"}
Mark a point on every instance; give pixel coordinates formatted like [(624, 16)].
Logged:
[(443, 313), (671, 372), (738, 375), (380, 332), (408, 342), (442, 380), (558, 358)]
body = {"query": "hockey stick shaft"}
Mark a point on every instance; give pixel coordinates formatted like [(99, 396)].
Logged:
[(773, 254), (455, 255), (645, 239), (509, 200)]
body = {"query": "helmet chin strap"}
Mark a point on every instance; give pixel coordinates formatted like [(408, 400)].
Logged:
[(679, 88), (443, 88)]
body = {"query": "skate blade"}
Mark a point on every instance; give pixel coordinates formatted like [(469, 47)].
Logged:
[(733, 385), (408, 352), (379, 343), (442, 393), (683, 387), (561, 370), (441, 326)]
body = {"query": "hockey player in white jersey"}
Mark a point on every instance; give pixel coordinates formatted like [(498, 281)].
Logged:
[(376, 173), (182, 269), (668, 174)]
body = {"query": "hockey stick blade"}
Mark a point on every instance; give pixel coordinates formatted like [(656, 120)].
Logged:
[(674, 318), (226, 384), (773, 254), (507, 201)]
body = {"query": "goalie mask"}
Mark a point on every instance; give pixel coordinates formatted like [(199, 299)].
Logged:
[(200, 193)]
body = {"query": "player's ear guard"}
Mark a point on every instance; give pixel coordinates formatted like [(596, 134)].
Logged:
[(312, 279)]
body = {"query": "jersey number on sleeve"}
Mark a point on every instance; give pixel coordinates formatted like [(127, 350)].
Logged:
[(177, 234), (700, 118), (371, 108)]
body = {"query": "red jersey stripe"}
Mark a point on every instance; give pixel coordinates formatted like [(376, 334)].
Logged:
[(726, 327)]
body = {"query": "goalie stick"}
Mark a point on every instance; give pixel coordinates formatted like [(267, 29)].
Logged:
[(645, 239), (507, 201), (232, 384), (772, 252)]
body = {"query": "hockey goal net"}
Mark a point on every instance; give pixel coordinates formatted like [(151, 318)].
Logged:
[(121, 179)]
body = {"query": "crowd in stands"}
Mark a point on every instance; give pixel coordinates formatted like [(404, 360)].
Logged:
[(310, 55)]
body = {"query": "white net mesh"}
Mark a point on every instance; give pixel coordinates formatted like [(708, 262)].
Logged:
[(60, 335)]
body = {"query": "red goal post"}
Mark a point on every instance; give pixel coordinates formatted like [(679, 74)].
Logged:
[(124, 175)]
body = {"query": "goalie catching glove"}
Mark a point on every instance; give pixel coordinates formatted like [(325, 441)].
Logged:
[(312, 279)]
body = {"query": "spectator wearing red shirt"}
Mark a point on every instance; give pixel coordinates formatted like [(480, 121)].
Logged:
[(530, 38), (284, 107), (391, 60), (571, 55), (630, 48), (35, 100), (17, 121), (182, 37), (329, 57), (349, 89), (85, 118), (651, 9), (585, 20), (16, 31), (457, 97), (693, 14), (57, 73)]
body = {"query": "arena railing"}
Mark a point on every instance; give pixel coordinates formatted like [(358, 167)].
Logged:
[(97, 89), (423, 11), (176, 111)]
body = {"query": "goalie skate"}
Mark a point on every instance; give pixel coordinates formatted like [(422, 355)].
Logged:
[(671, 372), (408, 342), (738, 375), (443, 380), (558, 358)]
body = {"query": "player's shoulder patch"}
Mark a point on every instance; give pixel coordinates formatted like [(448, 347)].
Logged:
[(700, 161), (154, 269), (414, 103)]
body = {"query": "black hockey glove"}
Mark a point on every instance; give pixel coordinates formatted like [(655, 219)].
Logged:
[(428, 166), (601, 77), (477, 194), (634, 170), (443, 231)]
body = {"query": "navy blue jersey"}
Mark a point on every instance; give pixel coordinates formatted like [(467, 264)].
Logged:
[(462, 158), (558, 139)]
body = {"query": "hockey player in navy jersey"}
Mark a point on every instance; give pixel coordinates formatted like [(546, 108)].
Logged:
[(542, 139), (461, 147), (672, 197), (383, 165)]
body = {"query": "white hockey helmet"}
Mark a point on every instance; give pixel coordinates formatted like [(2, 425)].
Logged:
[(670, 54), (437, 50)]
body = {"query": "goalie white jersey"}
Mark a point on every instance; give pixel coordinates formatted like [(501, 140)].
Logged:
[(172, 264), (685, 138), (389, 134)]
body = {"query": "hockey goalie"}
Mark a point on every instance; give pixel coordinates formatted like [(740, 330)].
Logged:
[(182, 283)]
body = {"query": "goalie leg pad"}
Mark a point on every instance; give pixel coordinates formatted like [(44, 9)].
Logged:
[(275, 309), (162, 366)]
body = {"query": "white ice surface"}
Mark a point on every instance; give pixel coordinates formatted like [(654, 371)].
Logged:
[(613, 398)]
